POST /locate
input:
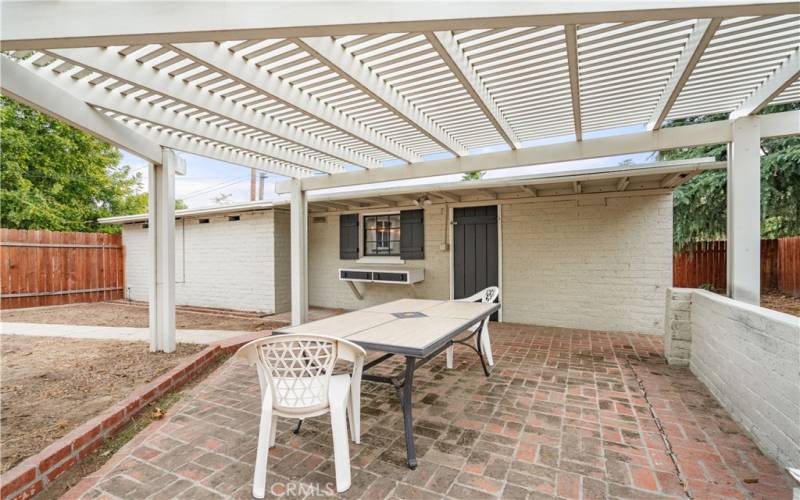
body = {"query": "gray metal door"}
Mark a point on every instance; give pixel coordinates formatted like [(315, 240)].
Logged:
[(475, 254)]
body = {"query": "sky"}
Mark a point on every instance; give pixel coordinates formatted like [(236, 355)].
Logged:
[(207, 180)]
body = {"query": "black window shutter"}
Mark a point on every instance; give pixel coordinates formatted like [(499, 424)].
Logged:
[(412, 234), (348, 237)]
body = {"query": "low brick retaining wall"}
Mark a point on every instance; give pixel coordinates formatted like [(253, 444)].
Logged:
[(747, 358), (31, 475)]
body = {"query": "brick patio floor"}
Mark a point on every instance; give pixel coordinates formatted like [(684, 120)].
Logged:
[(566, 413)]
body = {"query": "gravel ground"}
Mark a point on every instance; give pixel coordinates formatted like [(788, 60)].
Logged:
[(120, 314), (52, 385)]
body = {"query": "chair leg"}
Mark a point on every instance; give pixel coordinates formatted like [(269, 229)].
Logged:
[(341, 447), (486, 346), (450, 357), (262, 453), (273, 428)]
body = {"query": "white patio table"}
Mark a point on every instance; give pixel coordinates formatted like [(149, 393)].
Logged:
[(414, 328)]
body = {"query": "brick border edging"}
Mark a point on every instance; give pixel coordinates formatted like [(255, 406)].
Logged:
[(31, 475)]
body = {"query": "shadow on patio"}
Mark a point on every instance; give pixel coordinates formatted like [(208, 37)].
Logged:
[(565, 412)]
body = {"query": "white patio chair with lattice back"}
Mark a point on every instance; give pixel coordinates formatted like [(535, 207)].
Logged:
[(295, 373), (487, 295)]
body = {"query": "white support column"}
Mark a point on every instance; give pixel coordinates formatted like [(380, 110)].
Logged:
[(299, 236), (161, 239), (744, 211)]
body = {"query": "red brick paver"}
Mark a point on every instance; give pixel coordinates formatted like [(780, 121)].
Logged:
[(562, 415)]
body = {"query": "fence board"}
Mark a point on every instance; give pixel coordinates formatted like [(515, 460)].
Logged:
[(789, 265), (49, 268), (705, 264)]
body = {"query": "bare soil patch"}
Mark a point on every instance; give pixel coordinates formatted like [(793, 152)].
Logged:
[(120, 314), (51, 385), (778, 301)]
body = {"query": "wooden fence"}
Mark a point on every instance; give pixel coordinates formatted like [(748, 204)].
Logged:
[(789, 265), (42, 268), (705, 264)]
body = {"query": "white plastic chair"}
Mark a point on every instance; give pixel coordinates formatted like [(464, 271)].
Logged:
[(487, 295), (295, 373)]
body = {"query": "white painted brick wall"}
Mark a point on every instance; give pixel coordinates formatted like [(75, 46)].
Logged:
[(283, 262), (678, 326), (225, 264), (749, 358), (326, 290), (598, 264)]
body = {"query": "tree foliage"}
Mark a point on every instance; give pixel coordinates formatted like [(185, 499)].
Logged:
[(700, 205), (54, 176), (475, 175)]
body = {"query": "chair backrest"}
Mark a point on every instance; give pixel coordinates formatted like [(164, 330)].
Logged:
[(297, 368), (487, 295)]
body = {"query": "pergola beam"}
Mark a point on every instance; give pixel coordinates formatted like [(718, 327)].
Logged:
[(208, 150), (695, 46), (487, 192), (744, 211), (161, 246), (348, 67), (672, 180), (27, 87), (447, 47), (224, 61), (445, 196), (96, 95), (99, 23), (570, 33), (772, 86), (719, 132), (108, 62)]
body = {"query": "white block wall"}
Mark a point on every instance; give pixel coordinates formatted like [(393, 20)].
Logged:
[(678, 326), (597, 264), (224, 264), (282, 261), (326, 290), (749, 358)]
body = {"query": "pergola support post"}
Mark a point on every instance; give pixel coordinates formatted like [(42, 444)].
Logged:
[(161, 240), (744, 211), (299, 249)]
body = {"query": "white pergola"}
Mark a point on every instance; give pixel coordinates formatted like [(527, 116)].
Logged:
[(335, 94)]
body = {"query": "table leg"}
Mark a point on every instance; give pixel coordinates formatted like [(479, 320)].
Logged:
[(405, 401)]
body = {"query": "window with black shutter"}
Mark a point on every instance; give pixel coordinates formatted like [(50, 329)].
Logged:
[(348, 237), (382, 235), (412, 235)]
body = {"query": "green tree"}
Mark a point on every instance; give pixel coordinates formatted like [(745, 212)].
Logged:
[(700, 205), (475, 175), (54, 176)]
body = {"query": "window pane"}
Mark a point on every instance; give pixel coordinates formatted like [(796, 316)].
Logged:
[(382, 235)]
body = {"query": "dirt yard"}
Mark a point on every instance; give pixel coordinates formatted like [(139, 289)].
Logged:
[(51, 385), (778, 301), (120, 314)]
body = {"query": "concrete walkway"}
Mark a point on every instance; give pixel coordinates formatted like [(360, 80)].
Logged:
[(112, 332)]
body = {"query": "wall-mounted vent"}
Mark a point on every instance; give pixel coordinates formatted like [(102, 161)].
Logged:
[(234, 218), (319, 220), (204, 221), (145, 225)]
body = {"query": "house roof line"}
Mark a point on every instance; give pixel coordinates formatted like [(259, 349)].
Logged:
[(611, 172)]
